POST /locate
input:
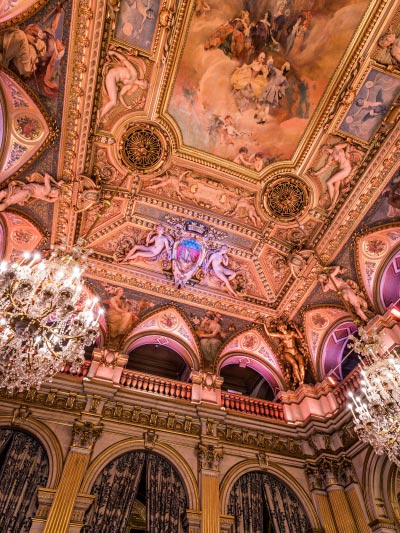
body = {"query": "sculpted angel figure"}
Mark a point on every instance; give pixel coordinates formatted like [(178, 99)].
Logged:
[(121, 78), (245, 209), (341, 157), (39, 187), (169, 182), (291, 352), (156, 243), (216, 264), (348, 289)]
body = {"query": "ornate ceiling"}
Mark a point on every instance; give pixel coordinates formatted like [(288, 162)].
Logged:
[(215, 156)]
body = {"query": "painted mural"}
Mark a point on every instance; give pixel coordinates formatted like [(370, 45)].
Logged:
[(35, 51), (252, 74), (137, 21), (126, 308), (371, 104)]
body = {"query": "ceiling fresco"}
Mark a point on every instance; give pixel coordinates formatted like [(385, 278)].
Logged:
[(252, 74), (224, 161)]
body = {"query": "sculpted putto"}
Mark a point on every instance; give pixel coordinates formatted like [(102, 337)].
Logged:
[(39, 187)]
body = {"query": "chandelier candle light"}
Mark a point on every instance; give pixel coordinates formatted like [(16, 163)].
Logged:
[(44, 324), (377, 411)]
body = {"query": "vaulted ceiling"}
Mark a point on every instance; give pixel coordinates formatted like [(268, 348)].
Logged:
[(240, 145)]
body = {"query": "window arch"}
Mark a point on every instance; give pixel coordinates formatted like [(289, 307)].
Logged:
[(24, 467), (261, 502), (129, 482)]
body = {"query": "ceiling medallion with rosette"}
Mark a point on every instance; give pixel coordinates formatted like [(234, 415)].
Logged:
[(286, 198), (144, 147)]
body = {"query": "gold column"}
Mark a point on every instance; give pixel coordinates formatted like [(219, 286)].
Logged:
[(210, 456), (353, 497), (84, 435), (326, 513), (210, 503), (341, 510)]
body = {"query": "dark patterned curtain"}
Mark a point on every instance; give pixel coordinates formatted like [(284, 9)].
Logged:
[(246, 504), (115, 490), (165, 495), (259, 498), (23, 467)]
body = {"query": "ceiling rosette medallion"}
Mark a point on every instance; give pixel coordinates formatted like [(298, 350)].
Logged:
[(144, 147), (24, 130), (285, 198)]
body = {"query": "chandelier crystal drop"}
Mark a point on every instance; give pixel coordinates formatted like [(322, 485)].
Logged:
[(43, 322), (376, 410)]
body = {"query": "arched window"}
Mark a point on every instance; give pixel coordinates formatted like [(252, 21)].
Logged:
[(244, 380), (262, 503), (160, 361), (137, 491), (24, 467)]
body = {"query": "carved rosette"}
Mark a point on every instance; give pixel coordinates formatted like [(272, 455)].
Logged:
[(85, 434), (286, 198), (144, 147)]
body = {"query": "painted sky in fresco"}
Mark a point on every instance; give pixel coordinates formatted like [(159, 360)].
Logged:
[(252, 74)]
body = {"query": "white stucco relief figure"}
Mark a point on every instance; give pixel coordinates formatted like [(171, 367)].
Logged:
[(157, 243), (298, 258), (341, 158), (217, 265), (39, 187), (349, 290), (168, 183), (245, 208), (205, 193), (121, 78)]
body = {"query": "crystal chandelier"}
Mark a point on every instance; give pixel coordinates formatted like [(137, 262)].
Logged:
[(43, 322), (377, 410)]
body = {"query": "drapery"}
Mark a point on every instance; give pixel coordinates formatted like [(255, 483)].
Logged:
[(115, 490), (257, 495), (166, 499), (23, 467)]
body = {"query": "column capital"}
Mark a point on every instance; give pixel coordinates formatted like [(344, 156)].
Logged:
[(329, 472), (210, 456), (85, 434)]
